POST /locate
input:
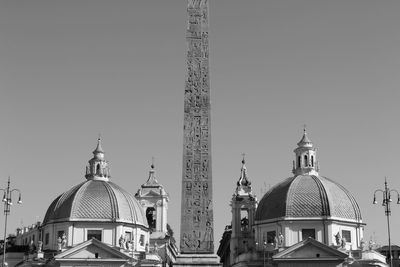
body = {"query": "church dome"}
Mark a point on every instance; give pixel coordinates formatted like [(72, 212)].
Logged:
[(96, 199), (307, 194)]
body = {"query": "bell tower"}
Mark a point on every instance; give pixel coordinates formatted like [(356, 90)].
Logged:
[(244, 205), (154, 200)]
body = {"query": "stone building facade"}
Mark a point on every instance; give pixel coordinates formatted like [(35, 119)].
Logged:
[(305, 219), (97, 219)]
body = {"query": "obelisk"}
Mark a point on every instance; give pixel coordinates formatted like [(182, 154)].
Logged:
[(197, 221)]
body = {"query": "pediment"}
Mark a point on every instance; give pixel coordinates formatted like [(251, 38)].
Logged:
[(310, 249), (151, 193), (90, 249)]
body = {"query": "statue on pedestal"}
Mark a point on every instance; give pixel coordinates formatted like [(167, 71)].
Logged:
[(32, 247), (64, 241), (59, 241), (371, 244), (362, 245), (280, 240), (337, 239), (343, 242), (40, 244), (122, 242)]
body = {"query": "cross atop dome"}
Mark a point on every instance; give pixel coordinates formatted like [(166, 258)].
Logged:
[(306, 157)]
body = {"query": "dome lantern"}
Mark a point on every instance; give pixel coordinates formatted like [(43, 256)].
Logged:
[(98, 168), (306, 157)]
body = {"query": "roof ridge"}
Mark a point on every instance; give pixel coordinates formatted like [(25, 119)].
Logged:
[(260, 209), (326, 211), (289, 193), (66, 194), (113, 199), (79, 191), (356, 208), (130, 200)]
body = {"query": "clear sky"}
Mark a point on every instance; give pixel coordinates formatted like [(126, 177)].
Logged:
[(70, 70)]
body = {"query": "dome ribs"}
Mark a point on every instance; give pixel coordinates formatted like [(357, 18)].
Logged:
[(96, 201), (304, 198), (308, 196), (50, 211), (92, 203), (324, 197), (130, 207), (342, 204), (113, 202), (277, 196), (352, 213), (60, 208)]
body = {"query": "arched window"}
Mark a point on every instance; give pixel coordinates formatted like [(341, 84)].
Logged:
[(151, 217), (298, 162), (98, 169), (305, 160), (244, 220), (312, 161)]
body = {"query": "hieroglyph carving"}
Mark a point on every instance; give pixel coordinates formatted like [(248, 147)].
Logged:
[(197, 214)]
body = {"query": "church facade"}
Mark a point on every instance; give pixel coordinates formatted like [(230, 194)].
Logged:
[(97, 221), (304, 220)]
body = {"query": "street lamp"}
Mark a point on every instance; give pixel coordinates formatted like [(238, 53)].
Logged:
[(265, 247), (386, 199), (7, 205)]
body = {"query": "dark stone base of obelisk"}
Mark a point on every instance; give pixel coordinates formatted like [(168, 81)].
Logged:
[(198, 260)]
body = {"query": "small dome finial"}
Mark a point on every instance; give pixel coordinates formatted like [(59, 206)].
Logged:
[(152, 179), (305, 141), (243, 180), (98, 149), (243, 185)]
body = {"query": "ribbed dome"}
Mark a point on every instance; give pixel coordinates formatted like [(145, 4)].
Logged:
[(308, 196), (96, 200)]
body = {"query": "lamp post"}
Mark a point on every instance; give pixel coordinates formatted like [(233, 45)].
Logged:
[(7, 199), (386, 199), (132, 248), (264, 248)]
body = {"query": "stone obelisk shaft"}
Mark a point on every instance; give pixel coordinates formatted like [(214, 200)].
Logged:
[(196, 236)]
